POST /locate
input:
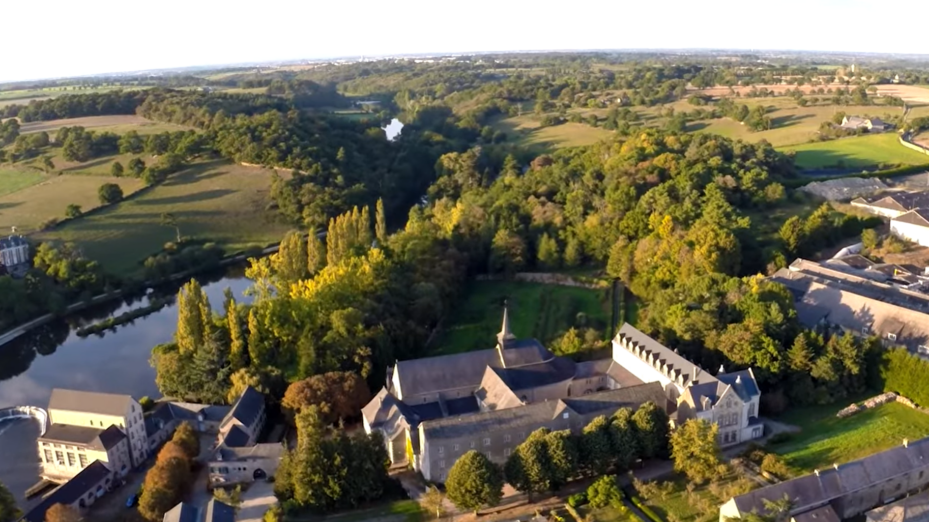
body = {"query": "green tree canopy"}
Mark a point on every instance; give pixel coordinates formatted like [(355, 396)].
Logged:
[(474, 482), (695, 450)]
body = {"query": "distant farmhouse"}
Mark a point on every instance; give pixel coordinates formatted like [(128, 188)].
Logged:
[(14, 255), (868, 124), (858, 301), (438, 408), (844, 490)]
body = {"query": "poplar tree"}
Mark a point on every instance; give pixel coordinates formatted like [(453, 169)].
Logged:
[(289, 262), (316, 254), (380, 226), (194, 317), (238, 349)]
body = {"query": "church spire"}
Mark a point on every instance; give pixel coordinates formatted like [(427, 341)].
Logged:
[(505, 333)]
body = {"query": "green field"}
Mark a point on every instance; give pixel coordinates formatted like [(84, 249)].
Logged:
[(399, 511), (119, 124), (215, 201), (827, 440), (47, 198), (95, 167), (13, 179), (525, 131), (536, 310), (861, 151)]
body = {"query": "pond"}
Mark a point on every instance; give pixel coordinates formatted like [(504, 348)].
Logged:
[(393, 129), (54, 356)]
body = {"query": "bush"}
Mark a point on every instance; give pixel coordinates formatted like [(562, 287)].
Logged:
[(645, 509), (577, 499), (73, 211), (146, 403), (109, 193), (773, 464), (604, 492)]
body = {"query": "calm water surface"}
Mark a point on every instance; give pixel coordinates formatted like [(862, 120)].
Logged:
[(55, 357)]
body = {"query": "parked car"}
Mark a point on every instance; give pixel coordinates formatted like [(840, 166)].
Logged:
[(133, 499)]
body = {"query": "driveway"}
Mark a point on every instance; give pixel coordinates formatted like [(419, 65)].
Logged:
[(257, 499)]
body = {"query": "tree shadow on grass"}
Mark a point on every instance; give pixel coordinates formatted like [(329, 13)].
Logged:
[(89, 164), (788, 120), (4, 206), (187, 198)]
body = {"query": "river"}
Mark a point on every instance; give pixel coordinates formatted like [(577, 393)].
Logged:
[(393, 129), (54, 356)]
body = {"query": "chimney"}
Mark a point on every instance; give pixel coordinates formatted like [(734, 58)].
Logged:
[(696, 374), (906, 443), (816, 471), (836, 466), (738, 379), (722, 370)]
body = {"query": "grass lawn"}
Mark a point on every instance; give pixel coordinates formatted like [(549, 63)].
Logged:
[(525, 131), (827, 440), (95, 167), (215, 201), (13, 179), (28, 208), (699, 506), (861, 151), (536, 310), (607, 514), (399, 511)]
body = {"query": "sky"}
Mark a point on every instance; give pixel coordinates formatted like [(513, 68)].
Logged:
[(60, 38)]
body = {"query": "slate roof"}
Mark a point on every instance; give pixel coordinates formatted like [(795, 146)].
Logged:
[(523, 352), (182, 512), (247, 407), (831, 483), (822, 514), (430, 410), (670, 363), (899, 201), (89, 402), (98, 439), (71, 491), (533, 375), (461, 406), (742, 382), (533, 415), (257, 451), (444, 372), (235, 438), (917, 216), (12, 241), (389, 414), (216, 511), (914, 508), (494, 392)]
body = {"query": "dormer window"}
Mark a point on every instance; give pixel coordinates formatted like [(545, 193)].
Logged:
[(892, 337)]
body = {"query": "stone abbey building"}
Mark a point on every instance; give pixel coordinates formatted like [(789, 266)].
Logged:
[(435, 409)]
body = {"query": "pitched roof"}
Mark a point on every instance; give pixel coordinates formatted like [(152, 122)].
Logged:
[(235, 438), (444, 372), (247, 407), (914, 508), (532, 415), (494, 392), (387, 413), (462, 405), (89, 402), (12, 241), (825, 485), (917, 216), (256, 451), (533, 375), (182, 512), (216, 511), (70, 491), (95, 438), (742, 382), (662, 359), (822, 514)]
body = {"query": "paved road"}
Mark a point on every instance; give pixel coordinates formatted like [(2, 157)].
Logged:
[(257, 499)]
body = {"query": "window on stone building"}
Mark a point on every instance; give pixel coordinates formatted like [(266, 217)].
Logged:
[(506, 452), (473, 444), (442, 464), (892, 337), (751, 409), (59, 457), (48, 456), (83, 459), (457, 447), (506, 438), (71, 460), (441, 450), (487, 441)]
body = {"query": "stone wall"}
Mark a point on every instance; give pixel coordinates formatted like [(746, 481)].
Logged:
[(876, 401)]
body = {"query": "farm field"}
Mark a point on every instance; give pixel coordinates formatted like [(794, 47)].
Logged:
[(792, 126), (119, 124), (827, 440), (29, 207), (13, 179), (526, 131), (215, 201), (94, 167), (860, 151), (535, 310)]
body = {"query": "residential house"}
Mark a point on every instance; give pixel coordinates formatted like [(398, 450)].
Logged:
[(213, 511), (433, 408), (14, 254), (912, 226), (868, 124), (164, 418), (101, 410), (844, 490), (80, 492), (66, 450), (238, 457)]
